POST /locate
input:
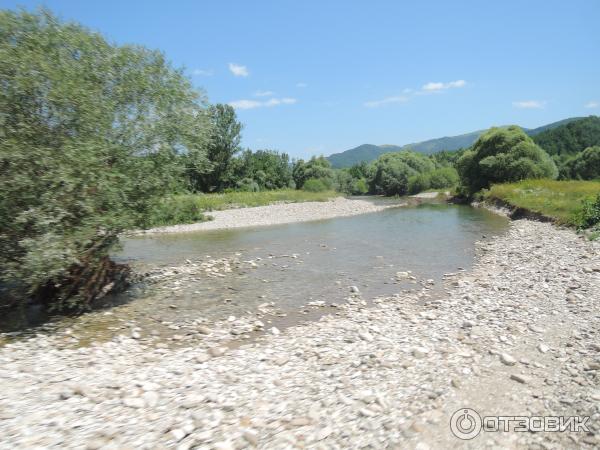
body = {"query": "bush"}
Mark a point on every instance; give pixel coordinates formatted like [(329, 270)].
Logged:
[(247, 185), (177, 209), (316, 167), (391, 172), (446, 177), (316, 185), (503, 155), (583, 166), (90, 139), (360, 187), (418, 183), (589, 215)]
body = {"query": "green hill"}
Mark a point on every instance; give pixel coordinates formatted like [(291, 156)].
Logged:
[(570, 137), (370, 152)]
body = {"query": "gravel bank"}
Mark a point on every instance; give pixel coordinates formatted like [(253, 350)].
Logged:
[(277, 214), (518, 335)]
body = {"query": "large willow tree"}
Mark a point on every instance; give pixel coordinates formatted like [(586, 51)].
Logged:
[(89, 138)]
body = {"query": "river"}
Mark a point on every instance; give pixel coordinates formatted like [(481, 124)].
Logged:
[(292, 265)]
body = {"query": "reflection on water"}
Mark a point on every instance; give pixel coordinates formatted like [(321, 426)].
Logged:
[(365, 251)]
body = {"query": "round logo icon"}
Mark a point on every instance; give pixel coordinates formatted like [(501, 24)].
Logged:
[(465, 424)]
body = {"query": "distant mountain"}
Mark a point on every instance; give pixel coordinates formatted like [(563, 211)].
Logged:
[(571, 137), (370, 152)]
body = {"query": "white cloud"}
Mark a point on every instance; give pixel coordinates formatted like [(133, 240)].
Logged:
[(264, 93), (385, 101), (529, 104), (203, 72), (301, 85), (251, 104), (438, 86), (592, 104), (280, 101), (245, 104), (238, 70)]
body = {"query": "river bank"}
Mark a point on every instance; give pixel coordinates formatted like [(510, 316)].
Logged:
[(515, 336), (279, 213)]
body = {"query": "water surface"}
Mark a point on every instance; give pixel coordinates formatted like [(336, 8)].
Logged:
[(364, 251)]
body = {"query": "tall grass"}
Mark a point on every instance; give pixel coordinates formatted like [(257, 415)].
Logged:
[(561, 200), (189, 208)]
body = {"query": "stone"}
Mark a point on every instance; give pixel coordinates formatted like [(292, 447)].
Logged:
[(323, 433), (300, 421), (420, 352), (150, 398), (535, 328), (507, 359), (251, 437), (177, 434), (134, 402), (202, 358), (543, 348), (366, 412), (519, 378), (354, 289), (217, 351), (365, 336)]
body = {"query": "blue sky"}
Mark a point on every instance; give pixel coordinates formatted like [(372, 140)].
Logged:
[(318, 77)]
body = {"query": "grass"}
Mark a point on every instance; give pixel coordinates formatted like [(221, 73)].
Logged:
[(189, 208), (561, 200)]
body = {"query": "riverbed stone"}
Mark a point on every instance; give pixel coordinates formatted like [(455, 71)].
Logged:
[(370, 375)]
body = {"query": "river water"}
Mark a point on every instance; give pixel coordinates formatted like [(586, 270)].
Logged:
[(294, 264)]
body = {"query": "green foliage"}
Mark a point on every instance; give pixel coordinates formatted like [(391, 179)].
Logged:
[(582, 166), (316, 185), (447, 158), (589, 215), (445, 177), (570, 138), (316, 167), (345, 182), (189, 207), (561, 200), (89, 134), (391, 172), (214, 172), (418, 183), (267, 169), (503, 155), (176, 209), (360, 187)]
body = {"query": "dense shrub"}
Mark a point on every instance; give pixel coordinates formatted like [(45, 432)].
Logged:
[(570, 138), (589, 215), (247, 185), (177, 209), (583, 166), (89, 134), (418, 183), (391, 172), (316, 185), (316, 167), (268, 169), (446, 177), (503, 155), (360, 187)]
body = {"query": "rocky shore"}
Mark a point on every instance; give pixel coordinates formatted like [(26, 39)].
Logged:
[(275, 214), (516, 336)]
